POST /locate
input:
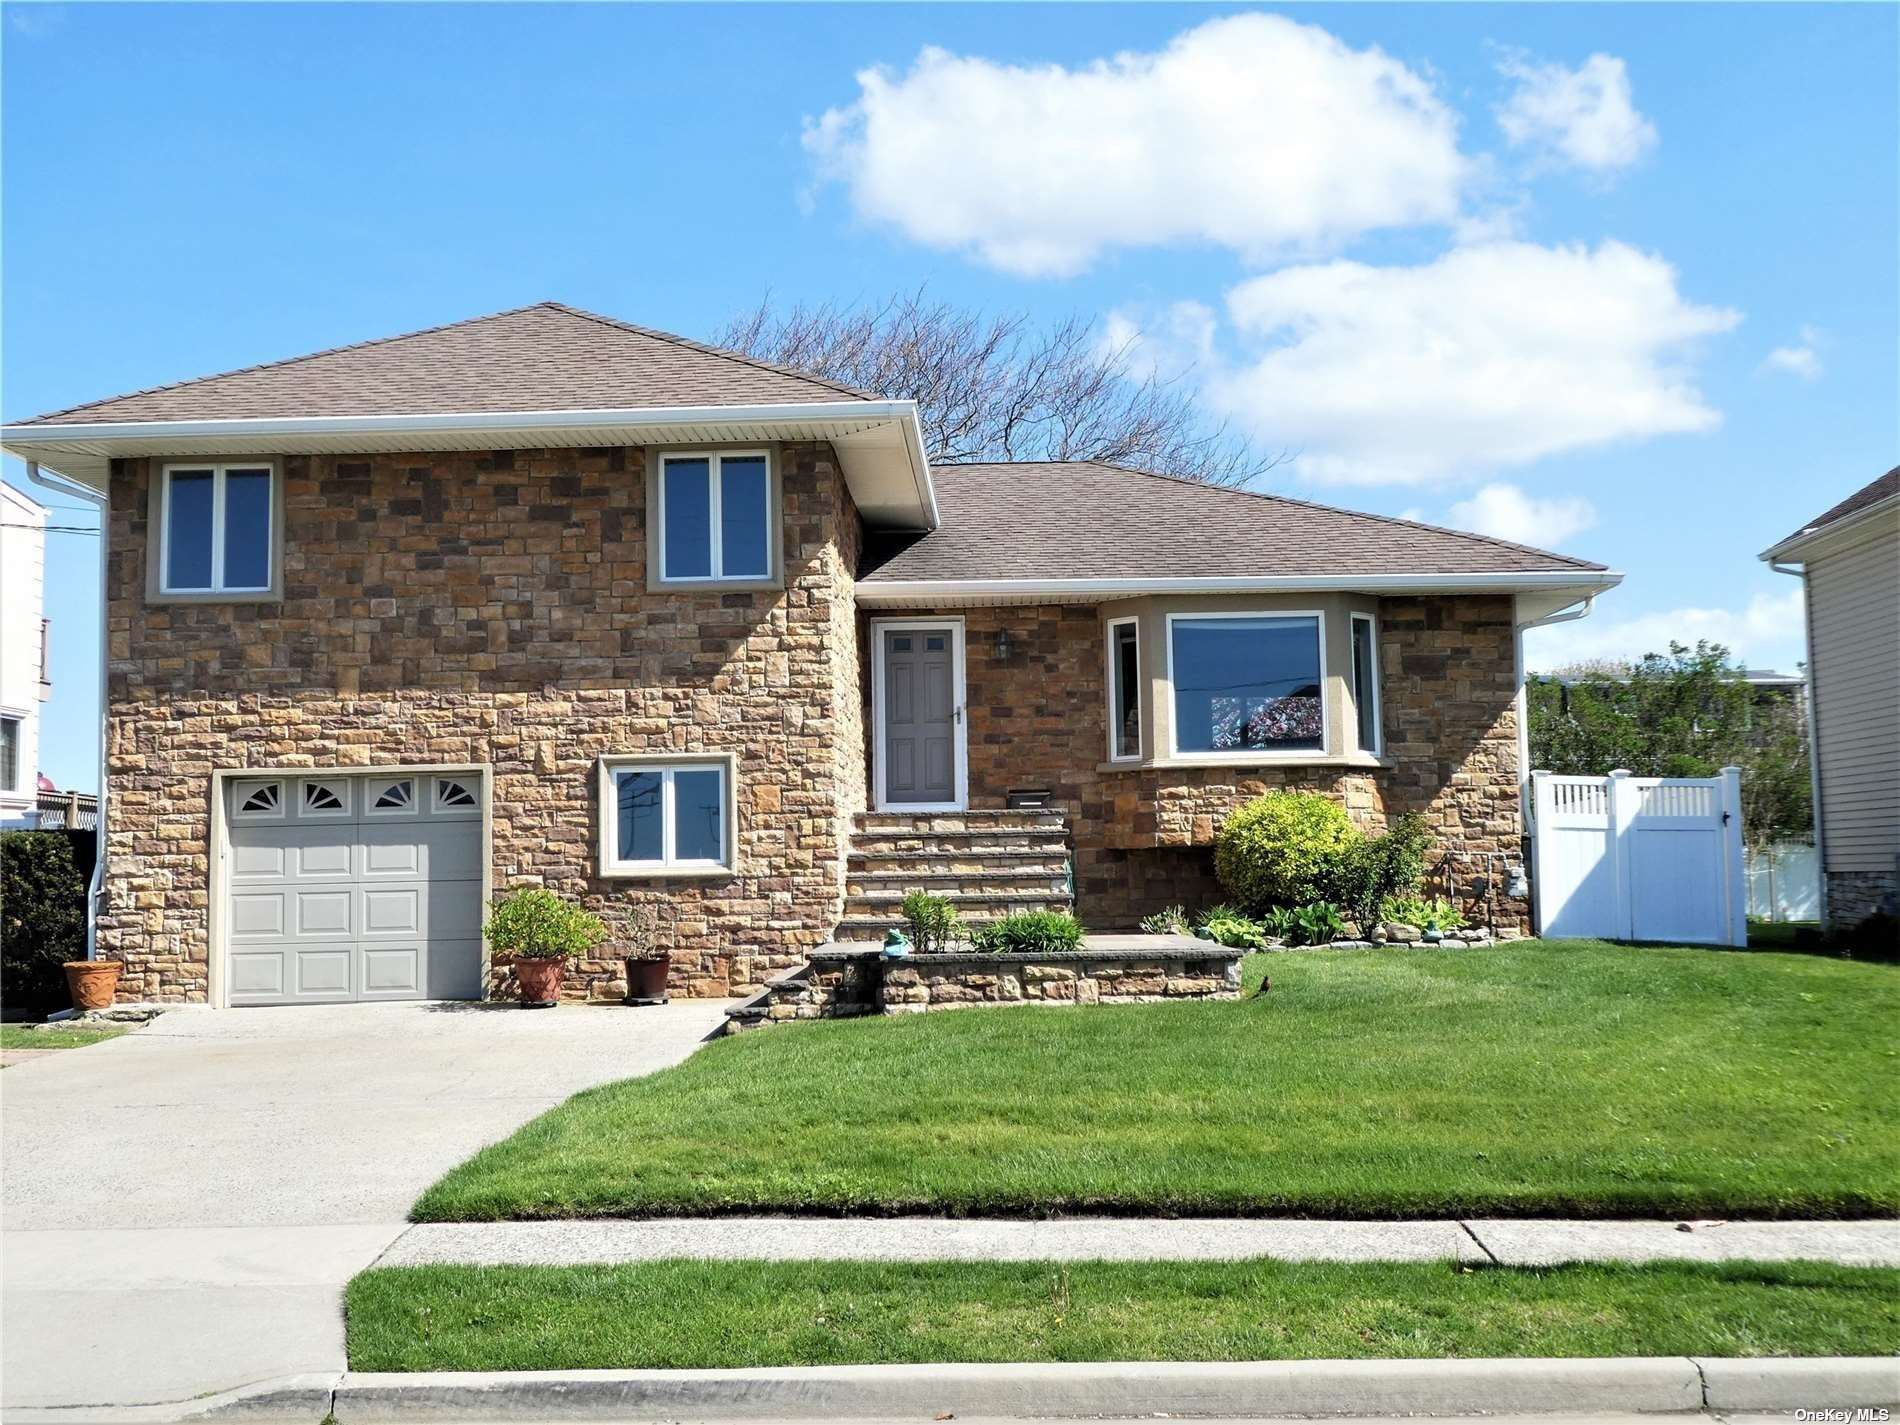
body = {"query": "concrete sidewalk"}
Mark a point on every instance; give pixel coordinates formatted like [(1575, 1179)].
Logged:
[(185, 1203), (1511, 1243)]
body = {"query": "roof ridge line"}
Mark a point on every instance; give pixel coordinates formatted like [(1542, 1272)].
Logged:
[(284, 361), (704, 348), (1492, 540)]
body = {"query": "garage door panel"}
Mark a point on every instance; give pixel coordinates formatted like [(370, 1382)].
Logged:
[(349, 906), (392, 971)]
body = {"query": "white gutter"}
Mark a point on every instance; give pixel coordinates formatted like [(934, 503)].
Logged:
[(1800, 571), (96, 889), (1794, 542), (875, 590)]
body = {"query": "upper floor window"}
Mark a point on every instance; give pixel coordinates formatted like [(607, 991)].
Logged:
[(216, 529), (1246, 684), (1365, 681), (715, 516)]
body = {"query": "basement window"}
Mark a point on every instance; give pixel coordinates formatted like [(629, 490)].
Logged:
[(715, 517), (662, 818), (216, 529)]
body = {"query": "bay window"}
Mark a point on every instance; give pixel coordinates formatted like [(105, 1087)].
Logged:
[(1247, 685), (1365, 682), (715, 517), (1124, 690), (216, 528)]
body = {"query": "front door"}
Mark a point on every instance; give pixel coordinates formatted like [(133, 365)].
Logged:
[(921, 717)]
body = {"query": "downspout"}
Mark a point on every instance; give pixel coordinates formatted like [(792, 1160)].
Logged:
[(1800, 571), (1568, 614), (95, 892)]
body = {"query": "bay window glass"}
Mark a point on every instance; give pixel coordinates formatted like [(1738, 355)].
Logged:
[(1246, 683), (1365, 682), (1124, 691)]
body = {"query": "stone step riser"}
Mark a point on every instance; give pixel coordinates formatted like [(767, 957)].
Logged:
[(925, 867), (857, 888), (968, 822), (1009, 844)]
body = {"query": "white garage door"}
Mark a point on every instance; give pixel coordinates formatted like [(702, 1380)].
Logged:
[(353, 888)]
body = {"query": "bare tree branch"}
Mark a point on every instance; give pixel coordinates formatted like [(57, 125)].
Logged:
[(992, 387)]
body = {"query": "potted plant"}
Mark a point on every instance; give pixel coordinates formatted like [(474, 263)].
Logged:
[(540, 931), (647, 967), (93, 984)]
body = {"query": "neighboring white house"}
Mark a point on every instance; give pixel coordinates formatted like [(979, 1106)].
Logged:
[(23, 680), (1849, 558)]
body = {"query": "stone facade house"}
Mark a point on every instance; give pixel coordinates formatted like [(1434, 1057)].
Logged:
[(1849, 559), (712, 646)]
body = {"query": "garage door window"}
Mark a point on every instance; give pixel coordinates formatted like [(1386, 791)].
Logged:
[(259, 801), (666, 818)]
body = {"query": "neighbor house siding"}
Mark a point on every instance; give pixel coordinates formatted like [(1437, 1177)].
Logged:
[(493, 610), (1854, 659), (1143, 835)]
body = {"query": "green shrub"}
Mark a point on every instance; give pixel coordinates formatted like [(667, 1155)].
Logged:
[(1171, 921), (933, 922), (1029, 932), (1282, 922), (1436, 914), (42, 918), (1282, 849), (533, 923), (1375, 868), (1234, 930), (1317, 924)]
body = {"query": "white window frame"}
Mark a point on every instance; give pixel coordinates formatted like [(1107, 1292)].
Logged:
[(373, 787), (218, 471), (1255, 754), (1378, 711), (715, 482), (342, 787), (666, 765), (1141, 723), (241, 789)]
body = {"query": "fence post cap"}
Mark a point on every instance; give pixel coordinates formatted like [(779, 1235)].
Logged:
[(1622, 772)]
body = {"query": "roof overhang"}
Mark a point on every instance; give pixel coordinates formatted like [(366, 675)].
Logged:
[(879, 443), (946, 593), (1799, 546)]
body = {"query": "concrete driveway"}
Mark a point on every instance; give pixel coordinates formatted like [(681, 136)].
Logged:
[(182, 1206)]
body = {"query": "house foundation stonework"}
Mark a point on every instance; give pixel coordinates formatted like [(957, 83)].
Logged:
[(491, 610)]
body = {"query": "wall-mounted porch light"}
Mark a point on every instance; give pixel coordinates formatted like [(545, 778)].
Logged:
[(1002, 645)]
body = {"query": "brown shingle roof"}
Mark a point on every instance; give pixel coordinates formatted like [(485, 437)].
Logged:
[(1872, 493), (542, 358), (1083, 520)]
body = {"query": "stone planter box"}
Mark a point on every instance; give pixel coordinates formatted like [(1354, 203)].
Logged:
[(843, 981)]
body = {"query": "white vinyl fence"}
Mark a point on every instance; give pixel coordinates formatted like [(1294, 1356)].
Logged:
[(1639, 858), (1784, 881)]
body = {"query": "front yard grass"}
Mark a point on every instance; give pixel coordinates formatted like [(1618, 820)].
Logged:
[(706, 1314), (20, 1036), (1550, 1079)]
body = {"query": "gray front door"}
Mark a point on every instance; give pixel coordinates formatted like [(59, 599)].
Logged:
[(346, 887), (920, 717)]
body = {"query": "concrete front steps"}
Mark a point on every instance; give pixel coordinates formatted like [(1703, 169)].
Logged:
[(988, 864)]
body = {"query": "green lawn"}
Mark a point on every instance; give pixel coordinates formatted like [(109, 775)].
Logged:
[(1560, 1078), (20, 1036), (711, 1314)]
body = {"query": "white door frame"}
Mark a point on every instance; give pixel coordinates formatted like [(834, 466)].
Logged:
[(961, 735)]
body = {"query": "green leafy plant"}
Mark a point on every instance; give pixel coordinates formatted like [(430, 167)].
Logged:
[(1376, 868), (1171, 921), (1226, 926), (1282, 922), (1029, 932), (1317, 924), (42, 917), (533, 923), (1435, 914), (1283, 848), (933, 921)]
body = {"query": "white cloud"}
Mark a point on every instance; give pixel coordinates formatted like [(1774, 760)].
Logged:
[(1766, 632), (1584, 117), (1487, 358), (1251, 132), (1802, 360), (1506, 512)]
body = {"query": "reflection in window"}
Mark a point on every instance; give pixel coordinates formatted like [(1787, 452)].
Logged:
[(1365, 682), (1246, 684), (1124, 690), (666, 817)]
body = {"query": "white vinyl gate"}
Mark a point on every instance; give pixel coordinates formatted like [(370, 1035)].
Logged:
[(1639, 858)]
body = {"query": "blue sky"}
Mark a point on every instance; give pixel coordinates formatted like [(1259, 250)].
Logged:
[(1619, 279)]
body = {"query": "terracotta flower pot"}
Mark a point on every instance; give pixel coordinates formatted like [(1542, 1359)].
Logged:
[(646, 979), (92, 983), (540, 979)]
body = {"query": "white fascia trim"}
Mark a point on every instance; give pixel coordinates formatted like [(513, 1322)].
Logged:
[(1814, 535), (878, 590)]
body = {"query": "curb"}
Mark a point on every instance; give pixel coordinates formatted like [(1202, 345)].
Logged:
[(1662, 1385)]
